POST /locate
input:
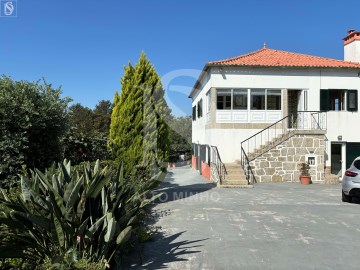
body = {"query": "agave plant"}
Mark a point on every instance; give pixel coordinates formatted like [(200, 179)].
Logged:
[(66, 214)]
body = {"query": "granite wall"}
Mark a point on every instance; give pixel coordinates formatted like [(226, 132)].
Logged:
[(283, 162)]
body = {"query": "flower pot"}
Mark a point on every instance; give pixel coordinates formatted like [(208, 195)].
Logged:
[(305, 180)]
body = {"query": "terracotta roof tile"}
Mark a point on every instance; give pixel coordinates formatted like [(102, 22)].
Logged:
[(274, 58)]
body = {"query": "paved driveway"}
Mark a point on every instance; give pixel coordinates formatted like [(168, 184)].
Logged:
[(272, 226)]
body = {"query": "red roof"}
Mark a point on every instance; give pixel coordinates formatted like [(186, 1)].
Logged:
[(274, 58)]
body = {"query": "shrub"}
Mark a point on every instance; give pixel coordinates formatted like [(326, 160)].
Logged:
[(67, 216), (33, 119)]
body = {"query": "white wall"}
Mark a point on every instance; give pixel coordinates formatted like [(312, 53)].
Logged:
[(345, 124), (228, 140), (311, 79), (352, 51), (199, 133)]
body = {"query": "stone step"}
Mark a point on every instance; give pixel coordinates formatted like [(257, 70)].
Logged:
[(225, 182), (243, 179), (237, 186), (232, 165), (237, 177), (235, 173), (234, 169)]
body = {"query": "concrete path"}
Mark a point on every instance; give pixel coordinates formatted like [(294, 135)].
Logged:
[(272, 226)]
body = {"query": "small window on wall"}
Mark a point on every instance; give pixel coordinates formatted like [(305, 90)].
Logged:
[(334, 100), (273, 99), (199, 105), (352, 100), (240, 99), (223, 99), (194, 113), (257, 99)]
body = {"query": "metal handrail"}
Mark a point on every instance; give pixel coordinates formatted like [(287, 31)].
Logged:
[(301, 120), (245, 164), (220, 166), (265, 128)]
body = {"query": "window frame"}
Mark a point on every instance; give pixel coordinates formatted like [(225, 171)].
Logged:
[(224, 99), (200, 109), (194, 113), (251, 99), (246, 99), (326, 100), (267, 99)]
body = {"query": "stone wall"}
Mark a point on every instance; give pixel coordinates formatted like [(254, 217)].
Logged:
[(282, 163), (214, 176)]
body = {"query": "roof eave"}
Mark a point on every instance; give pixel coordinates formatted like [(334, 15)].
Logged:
[(202, 74), (208, 65), (264, 66)]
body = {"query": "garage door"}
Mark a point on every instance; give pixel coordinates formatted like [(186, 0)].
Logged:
[(352, 151)]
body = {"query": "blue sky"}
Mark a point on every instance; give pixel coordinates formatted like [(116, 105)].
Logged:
[(84, 45)]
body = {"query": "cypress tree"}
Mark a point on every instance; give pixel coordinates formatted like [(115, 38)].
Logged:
[(138, 130)]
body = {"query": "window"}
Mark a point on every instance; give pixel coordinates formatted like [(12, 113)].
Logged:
[(337, 100), (257, 99), (352, 100), (273, 100), (334, 100), (237, 99), (223, 99), (199, 112), (194, 113), (240, 99)]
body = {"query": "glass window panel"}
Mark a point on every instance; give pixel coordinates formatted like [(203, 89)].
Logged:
[(199, 108), (257, 99), (337, 100), (223, 100), (240, 99), (228, 102), (274, 99)]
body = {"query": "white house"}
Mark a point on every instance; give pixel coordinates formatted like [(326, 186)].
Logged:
[(269, 110)]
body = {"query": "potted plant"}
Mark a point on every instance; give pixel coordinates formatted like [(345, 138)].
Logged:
[(305, 177)]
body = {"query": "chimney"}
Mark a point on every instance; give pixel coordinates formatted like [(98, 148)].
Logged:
[(352, 46)]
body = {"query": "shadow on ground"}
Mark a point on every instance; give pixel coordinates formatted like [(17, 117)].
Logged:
[(165, 249), (162, 248), (171, 191), (355, 200)]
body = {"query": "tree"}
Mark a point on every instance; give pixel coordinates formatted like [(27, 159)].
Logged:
[(33, 119), (138, 129), (87, 139), (180, 136), (102, 116), (81, 118)]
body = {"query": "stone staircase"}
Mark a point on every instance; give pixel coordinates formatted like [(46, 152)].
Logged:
[(235, 177), (261, 149), (274, 153)]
